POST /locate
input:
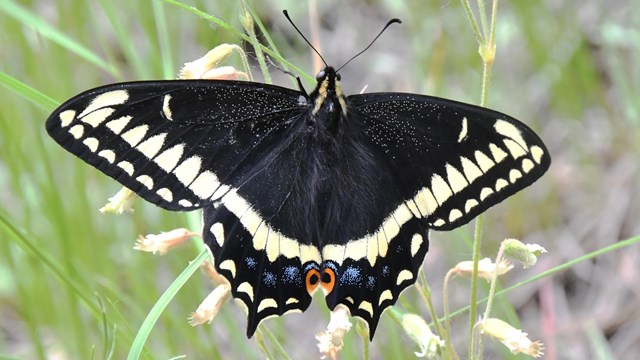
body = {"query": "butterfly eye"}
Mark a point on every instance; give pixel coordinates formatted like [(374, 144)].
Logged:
[(338, 77), (320, 76)]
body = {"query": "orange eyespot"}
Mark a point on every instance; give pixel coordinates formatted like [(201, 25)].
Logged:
[(328, 280), (312, 280)]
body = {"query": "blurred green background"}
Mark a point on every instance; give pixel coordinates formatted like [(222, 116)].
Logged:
[(72, 287)]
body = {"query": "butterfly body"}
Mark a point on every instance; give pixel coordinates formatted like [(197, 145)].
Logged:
[(300, 191)]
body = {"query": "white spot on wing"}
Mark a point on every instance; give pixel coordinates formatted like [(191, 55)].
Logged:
[(66, 117), (246, 288), (169, 158), (470, 204), (77, 131), (500, 184), (537, 153), (509, 130), (165, 194), (471, 170), (126, 166), (372, 248), (454, 215), (483, 161), (152, 145), (108, 154), (146, 180), (267, 303), (384, 296), (166, 110), (463, 132), (292, 301), (309, 253), (289, 248), (135, 135), (229, 265), (497, 153), (205, 184), (185, 203), (456, 179), (356, 249), (414, 208), (188, 170), (403, 276), (97, 117), (425, 201), (366, 306), (402, 214), (116, 125), (217, 230), (390, 227), (527, 165), (440, 189), (110, 98), (334, 252), (273, 244), (514, 149), (92, 143), (383, 244), (220, 192), (416, 243), (485, 192), (514, 175)]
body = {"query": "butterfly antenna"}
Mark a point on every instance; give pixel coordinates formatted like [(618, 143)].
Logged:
[(392, 21), (286, 14)]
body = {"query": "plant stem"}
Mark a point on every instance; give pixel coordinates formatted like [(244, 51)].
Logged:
[(473, 305), (487, 52)]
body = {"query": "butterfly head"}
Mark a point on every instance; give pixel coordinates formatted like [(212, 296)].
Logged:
[(328, 97)]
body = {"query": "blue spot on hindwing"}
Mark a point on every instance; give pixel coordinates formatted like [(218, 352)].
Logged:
[(371, 283), (269, 279), (352, 276), (291, 275), (386, 270)]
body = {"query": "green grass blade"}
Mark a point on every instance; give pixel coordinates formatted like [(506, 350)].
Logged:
[(125, 40), (168, 68), (145, 329), (34, 96), (27, 18)]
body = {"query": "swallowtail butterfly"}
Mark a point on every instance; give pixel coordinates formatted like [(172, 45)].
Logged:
[(304, 191)]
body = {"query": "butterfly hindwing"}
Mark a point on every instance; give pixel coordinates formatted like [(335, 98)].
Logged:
[(268, 279)]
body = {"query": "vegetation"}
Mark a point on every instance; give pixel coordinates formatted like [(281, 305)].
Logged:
[(71, 286)]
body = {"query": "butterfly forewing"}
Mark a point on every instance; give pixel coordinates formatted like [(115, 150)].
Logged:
[(451, 160), (174, 143)]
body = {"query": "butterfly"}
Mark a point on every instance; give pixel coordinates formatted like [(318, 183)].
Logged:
[(304, 191)]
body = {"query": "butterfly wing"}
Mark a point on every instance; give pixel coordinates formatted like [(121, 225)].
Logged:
[(174, 143), (441, 163), (226, 146), (452, 160)]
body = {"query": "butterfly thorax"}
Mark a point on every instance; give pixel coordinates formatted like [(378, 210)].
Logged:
[(329, 101)]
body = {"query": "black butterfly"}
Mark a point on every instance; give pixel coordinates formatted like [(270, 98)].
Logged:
[(304, 191)]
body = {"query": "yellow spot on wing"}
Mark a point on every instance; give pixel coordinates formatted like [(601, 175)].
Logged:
[(66, 117), (110, 98)]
